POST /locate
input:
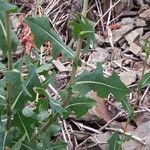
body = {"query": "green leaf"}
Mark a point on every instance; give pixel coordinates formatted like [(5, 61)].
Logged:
[(80, 105), (53, 129), (127, 107), (4, 6), (17, 145), (82, 28), (25, 124), (56, 106), (114, 142), (42, 31), (3, 36), (145, 81), (15, 78), (15, 41), (3, 135), (43, 115), (28, 112), (22, 97), (44, 67), (95, 80)]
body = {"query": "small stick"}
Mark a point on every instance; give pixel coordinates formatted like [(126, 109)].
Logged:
[(137, 139)]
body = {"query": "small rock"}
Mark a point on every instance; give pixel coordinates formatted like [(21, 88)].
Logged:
[(99, 39), (119, 33), (135, 49), (128, 77), (132, 36), (140, 31), (140, 23), (100, 55), (127, 20), (143, 132), (145, 14), (139, 2), (146, 35)]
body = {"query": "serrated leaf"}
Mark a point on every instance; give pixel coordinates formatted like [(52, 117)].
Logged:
[(17, 145), (31, 82), (145, 81), (80, 105), (4, 6), (114, 142), (42, 31), (95, 80), (56, 106), (83, 29)]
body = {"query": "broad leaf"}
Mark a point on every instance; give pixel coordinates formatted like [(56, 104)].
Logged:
[(145, 81), (43, 115), (42, 31), (95, 80), (80, 105), (15, 78), (82, 28), (4, 6), (25, 124), (56, 106), (28, 112), (22, 97)]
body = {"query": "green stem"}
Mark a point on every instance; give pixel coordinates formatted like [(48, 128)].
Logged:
[(73, 74), (76, 57), (10, 67)]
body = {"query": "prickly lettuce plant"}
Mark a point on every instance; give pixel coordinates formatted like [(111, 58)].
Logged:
[(21, 126)]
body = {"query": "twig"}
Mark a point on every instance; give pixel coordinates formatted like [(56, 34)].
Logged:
[(137, 139), (106, 12), (109, 122)]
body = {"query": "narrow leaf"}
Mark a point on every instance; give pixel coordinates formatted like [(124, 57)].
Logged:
[(4, 6), (145, 81), (114, 142), (42, 31)]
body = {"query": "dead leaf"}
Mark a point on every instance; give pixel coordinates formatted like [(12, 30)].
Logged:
[(100, 109)]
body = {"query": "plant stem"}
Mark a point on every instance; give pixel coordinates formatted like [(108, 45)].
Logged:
[(74, 70), (10, 67), (76, 57), (137, 101), (73, 73)]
